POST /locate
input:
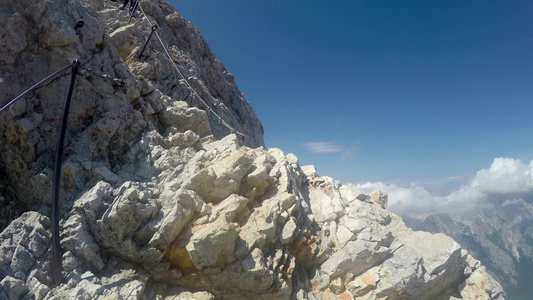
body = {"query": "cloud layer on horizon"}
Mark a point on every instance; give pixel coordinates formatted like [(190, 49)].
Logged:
[(506, 176)]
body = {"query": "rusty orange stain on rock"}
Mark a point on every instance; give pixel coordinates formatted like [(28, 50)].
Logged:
[(346, 296), (179, 258), (369, 279)]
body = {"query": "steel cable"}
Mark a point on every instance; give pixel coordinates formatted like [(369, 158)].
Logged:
[(37, 85), (185, 79)]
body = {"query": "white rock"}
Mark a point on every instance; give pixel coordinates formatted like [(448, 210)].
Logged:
[(434, 261), (212, 245), (79, 241), (177, 214), (344, 235), (350, 193), (133, 289), (91, 202), (39, 289), (223, 178), (229, 208), (288, 231)]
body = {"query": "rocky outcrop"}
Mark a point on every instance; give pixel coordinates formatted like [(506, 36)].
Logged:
[(275, 231), (498, 234), (160, 202), (118, 96)]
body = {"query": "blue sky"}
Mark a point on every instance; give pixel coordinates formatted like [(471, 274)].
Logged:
[(390, 91)]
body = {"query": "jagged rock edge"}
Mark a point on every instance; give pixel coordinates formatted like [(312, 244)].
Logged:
[(179, 212)]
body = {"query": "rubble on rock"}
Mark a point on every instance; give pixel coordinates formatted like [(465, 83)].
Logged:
[(160, 200)]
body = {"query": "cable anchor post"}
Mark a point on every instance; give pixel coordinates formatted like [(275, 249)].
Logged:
[(79, 24), (133, 9), (154, 28), (56, 247)]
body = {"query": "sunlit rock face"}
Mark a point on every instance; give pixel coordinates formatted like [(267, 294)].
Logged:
[(160, 198), (118, 96)]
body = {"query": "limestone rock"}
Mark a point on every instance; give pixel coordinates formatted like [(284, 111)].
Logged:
[(183, 205), (212, 246), (223, 178), (479, 286), (229, 208), (179, 115), (13, 288), (160, 199), (351, 192), (380, 197)]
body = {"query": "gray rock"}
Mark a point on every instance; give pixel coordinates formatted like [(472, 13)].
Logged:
[(129, 210), (12, 288), (13, 37), (38, 289), (78, 240), (94, 290), (91, 203), (70, 262), (21, 243), (160, 199), (192, 296), (132, 290), (21, 262)]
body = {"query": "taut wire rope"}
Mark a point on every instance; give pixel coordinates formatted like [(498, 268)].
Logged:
[(35, 86), (185, 79)]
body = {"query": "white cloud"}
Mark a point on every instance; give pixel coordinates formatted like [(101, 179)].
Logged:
[(322, 147), (406, 200), (505, 176)]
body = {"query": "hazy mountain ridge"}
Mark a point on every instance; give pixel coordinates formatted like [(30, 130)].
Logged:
[(499, 233)]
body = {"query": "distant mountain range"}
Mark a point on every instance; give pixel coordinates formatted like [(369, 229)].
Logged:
[(499, 234)]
